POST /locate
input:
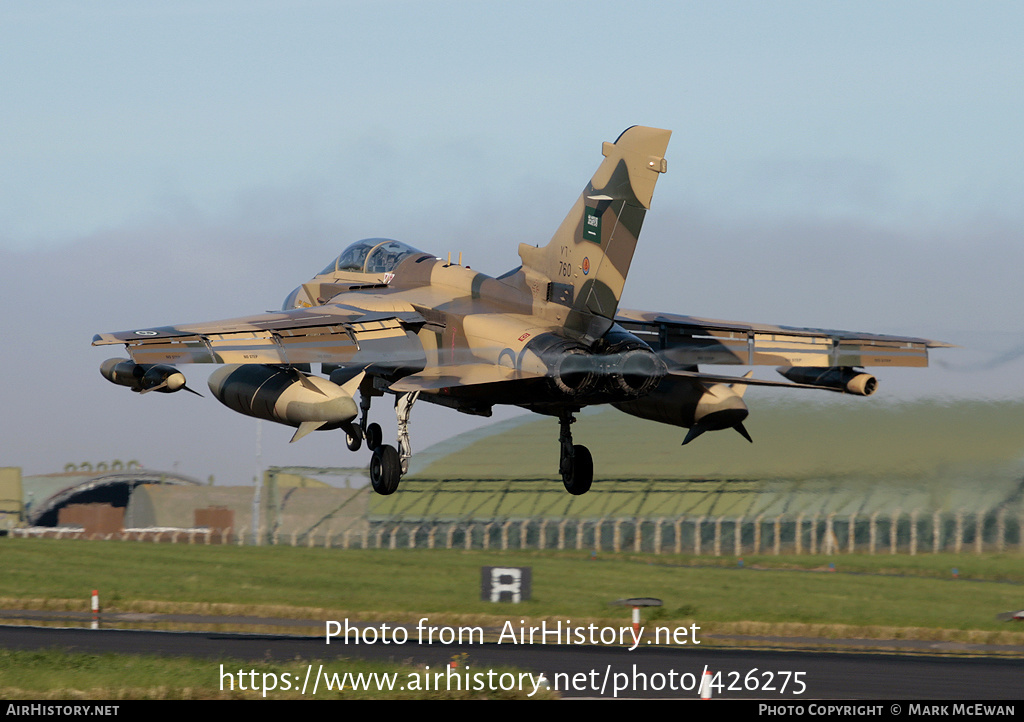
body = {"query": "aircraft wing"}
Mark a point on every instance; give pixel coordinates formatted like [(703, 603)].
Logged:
[(331, 334), (685, 341)]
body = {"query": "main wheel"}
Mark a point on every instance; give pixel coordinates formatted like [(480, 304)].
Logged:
[(581, 471), (373, 436), (385, 470), (355, 439)]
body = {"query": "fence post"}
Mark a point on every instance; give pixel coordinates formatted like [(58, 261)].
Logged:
[(678, 524), (852, 531), (757, 533), (718, 536), (696, 535), (800, 533), (777, 547), (872, 532), (1000, 529), (959, 534), (913, 532), (936, 533), (737, 536), (979, 531), (894, 522)]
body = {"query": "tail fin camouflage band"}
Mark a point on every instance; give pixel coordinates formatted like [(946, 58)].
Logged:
[(589, 256)]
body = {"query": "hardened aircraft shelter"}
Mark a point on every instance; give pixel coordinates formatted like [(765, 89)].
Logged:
[(826, 476)]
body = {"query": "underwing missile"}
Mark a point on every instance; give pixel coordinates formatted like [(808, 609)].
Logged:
[(694, 405), (835, 378), (144, 378), (286, 395)]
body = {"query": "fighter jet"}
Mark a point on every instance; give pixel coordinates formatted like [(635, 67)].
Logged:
[(548, 336)]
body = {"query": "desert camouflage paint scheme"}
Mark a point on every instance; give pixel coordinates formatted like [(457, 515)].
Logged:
[(548, 336)]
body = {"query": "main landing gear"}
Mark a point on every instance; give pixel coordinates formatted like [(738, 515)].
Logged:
[(388, 464), (576, 464)]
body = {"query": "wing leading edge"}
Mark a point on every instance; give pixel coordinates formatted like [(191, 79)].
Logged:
[(326, 334), (686, 341)]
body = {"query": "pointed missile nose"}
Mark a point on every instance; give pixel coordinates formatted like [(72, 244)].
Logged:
[(720, 408), (219, 377)]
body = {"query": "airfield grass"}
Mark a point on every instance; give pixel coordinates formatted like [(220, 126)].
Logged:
[(55, 674), (873, 596)]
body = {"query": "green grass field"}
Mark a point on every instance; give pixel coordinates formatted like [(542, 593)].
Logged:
[(881, 597), (866, 591)]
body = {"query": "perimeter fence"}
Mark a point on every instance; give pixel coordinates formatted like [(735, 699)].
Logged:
[(877, 533)]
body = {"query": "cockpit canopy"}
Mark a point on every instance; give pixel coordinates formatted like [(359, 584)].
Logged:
[(371, 255)]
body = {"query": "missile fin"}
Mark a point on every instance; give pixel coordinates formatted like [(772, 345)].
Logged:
[(305, 380), (692, 434), (352, 385), (306, 427), (742, 387)]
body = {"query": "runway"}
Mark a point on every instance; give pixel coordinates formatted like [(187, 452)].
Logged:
[(592, 671)]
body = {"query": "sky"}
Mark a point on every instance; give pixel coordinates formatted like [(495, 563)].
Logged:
[(836, 165)]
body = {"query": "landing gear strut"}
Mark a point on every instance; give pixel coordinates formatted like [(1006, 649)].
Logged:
[(576, 464), (370, 432), (388, 465)]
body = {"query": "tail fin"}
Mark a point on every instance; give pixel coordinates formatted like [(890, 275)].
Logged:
[(587, 259)]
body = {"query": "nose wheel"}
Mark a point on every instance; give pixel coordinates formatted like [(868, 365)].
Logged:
[(576, 464)]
